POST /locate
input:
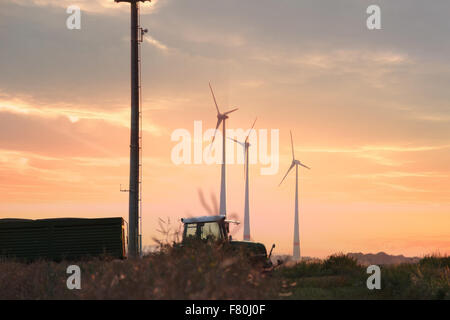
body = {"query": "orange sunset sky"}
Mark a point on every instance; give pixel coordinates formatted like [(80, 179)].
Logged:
[(369, 111)]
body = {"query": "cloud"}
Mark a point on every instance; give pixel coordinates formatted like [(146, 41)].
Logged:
[(343, 59), (400, 174), (432, 117), (403, 188), (73, 113), (57, 136), (93, 6), (252, 83), (226, 39), (374, 67), (149, 39), (380, 154), (369, 148), (23, 163)]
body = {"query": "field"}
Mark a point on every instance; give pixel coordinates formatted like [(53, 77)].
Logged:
[(207, 272)]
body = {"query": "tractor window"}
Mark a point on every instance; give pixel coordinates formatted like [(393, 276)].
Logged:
[(211, 230), (191, 230)]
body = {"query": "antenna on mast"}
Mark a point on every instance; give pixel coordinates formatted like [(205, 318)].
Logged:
[(135, 186)]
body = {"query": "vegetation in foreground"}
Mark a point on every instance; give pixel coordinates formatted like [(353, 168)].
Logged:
[(208, 272), (341, 277)]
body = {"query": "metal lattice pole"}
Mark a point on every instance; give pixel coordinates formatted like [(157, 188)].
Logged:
[(135, 149)]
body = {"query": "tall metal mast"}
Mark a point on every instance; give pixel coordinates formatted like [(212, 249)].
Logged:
[(134, 238)]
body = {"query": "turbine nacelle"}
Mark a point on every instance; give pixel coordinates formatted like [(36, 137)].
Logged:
[(294, 163), (221, 117), (244, 144), (298, 163)]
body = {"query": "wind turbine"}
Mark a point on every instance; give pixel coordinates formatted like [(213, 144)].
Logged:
[(246, 145), (295, 163), (221, 117)]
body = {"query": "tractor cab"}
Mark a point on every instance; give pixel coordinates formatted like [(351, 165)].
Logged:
[(214, 228)]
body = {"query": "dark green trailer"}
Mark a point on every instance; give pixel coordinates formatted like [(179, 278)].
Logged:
[(62, 239)]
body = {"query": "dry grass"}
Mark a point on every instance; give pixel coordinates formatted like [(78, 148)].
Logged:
[(193, 272), (201, 271)]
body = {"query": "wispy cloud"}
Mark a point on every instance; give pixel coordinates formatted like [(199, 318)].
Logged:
[(94, 6), (74, 113), (401, 174), (226, 39), (432, 117), (252, 83), (369, 148), (338, 59), (403, 188), (149, 39), (380, 154)]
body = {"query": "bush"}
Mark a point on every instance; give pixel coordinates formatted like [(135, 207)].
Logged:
[(302, 269), (435, 261), (342, 264)]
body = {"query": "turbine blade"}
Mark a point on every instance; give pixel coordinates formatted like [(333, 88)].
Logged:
[(305, 166), (246, 139), (214, 97), (292, 145), (290, 168), (228, 112), (219, 121), (238, 142), (253, 125)]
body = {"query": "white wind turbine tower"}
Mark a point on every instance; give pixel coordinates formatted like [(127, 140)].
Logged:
[(295, 163), (221, 117), (246, 145)]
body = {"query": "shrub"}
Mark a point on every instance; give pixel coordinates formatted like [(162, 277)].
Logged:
[(302, 269), (435, 261), (342, 264)]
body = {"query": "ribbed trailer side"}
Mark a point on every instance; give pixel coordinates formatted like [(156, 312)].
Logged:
[(58, 239), (24, 240)]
